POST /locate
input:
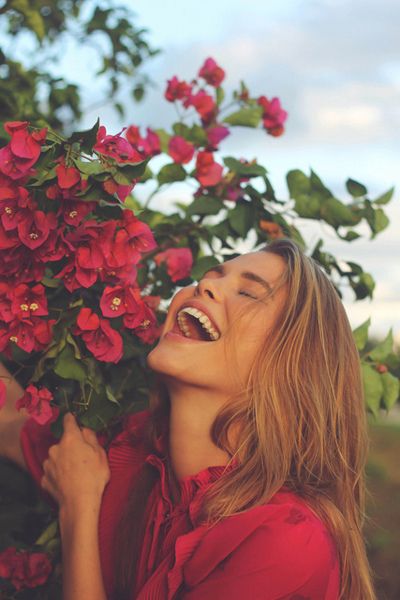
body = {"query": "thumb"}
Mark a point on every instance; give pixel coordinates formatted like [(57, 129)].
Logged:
[(69, 423)]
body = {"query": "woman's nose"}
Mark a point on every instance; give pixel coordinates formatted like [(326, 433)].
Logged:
[(207, 287)]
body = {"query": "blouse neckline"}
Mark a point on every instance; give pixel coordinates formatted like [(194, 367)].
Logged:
[(190, 485)]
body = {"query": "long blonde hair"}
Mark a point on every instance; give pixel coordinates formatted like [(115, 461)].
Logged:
[(301, 421)]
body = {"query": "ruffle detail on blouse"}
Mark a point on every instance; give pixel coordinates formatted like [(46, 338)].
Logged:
[(185, 546), (189, 486), (220, 541)]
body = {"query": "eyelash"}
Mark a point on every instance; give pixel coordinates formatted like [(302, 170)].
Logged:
[(241, 292), (244, 293)]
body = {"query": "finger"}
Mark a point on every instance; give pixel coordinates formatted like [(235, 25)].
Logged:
[(48, 487), (89, 436), (48, 469), (69, 423)]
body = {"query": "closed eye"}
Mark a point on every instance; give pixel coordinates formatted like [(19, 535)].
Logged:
[(244, 293)]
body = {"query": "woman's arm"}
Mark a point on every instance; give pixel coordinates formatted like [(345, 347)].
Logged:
[(82, 578), (76, 474), (11, 420)]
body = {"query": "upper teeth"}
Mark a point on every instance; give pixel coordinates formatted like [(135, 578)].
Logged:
[(204, 320)]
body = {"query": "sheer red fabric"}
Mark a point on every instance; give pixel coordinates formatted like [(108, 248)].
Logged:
[(278, 551)]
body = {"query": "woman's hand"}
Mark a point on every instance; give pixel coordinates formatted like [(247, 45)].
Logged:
[(76, 471)]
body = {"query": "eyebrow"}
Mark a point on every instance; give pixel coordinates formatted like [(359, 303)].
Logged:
[(249, 275)]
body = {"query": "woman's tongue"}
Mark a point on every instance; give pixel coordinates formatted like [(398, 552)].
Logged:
[(196, 330)]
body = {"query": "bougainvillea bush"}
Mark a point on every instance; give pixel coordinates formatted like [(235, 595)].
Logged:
[(85, 266)]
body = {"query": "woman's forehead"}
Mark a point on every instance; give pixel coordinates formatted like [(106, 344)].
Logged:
[(262, 263)]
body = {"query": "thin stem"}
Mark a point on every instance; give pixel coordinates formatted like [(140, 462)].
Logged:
[(146, 204)]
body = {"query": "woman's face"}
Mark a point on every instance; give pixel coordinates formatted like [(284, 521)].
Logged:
[(233, 298)]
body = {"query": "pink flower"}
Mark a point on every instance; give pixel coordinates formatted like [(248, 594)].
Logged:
[(115, 146), (208, 172), (28, 334), (212, 73), (24, 569), (6, 313), (144, 321), (104, 342), (119, 300), (67, 177), (13, 201), (180, 150), (23, 151), (204, 105), (146, 146), (177, 90), (34, 228), (27, 302), (216, 134), (273, 115), (122, 191), (37, 404), (179, 262)]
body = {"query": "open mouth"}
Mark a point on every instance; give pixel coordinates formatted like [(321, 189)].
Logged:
[(194, 324)]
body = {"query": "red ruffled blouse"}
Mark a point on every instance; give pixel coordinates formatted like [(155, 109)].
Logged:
[(277, 551)]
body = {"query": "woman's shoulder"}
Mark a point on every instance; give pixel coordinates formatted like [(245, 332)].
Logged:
[(284, 531), (276, 550)]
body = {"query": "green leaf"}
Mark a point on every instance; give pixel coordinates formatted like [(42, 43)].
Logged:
[(376, 218), (34, 20), (92, 167), (247, 170), (45, 175), (170, 173), (48, 534), (382, 350), (51, 283), (364, 286), (202, 265), (86, 139), (317, 185), (67, 367), (195, 134), (298, 183), (72, 342), (308, 206), (198, 136), (373, 388), (132, 204), (220, 95), (204, 205), (350, 236), (245, 117), (181, 129), (385, 198), (335, 213), (164, 139), (391, 388), (127, 172), (110, 395), (242, 218), (138, 92), (355, 188), (360, 334), (381, 220)]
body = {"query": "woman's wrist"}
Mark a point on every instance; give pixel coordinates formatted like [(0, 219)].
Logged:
[(71, 513)]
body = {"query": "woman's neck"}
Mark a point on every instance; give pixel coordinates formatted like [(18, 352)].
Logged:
[(192, 413)]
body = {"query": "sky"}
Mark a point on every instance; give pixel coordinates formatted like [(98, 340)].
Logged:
[(335, 65)]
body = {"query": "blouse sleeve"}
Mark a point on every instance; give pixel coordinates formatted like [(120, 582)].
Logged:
[(278, 561)]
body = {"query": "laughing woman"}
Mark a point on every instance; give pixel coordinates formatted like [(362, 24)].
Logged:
[(245, 478)]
